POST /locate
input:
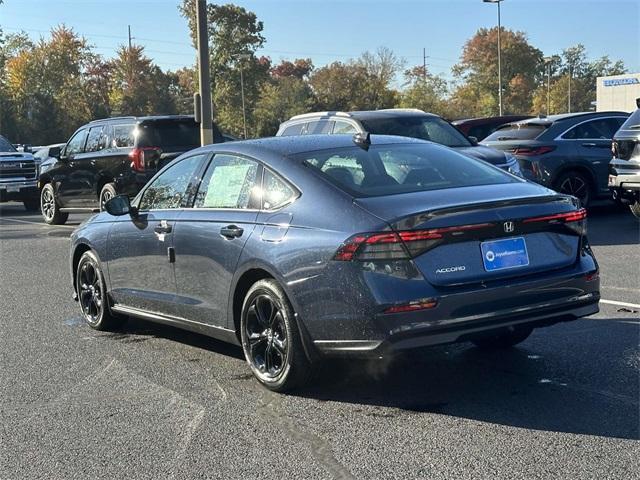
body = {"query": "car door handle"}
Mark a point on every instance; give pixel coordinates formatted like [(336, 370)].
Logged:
[(162, 227), (589, 145), (231, 231)]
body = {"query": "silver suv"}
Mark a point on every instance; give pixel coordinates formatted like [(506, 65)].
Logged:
[(624, 168)]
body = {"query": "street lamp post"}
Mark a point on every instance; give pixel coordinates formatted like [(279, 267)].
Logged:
[(244, 111), (547, 61), (499, 59)]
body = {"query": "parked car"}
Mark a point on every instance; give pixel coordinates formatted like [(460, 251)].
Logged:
[(624, 169), (397, 121), (302, 247), (480, 128), (18, 176), (109, 157), (569, 153)]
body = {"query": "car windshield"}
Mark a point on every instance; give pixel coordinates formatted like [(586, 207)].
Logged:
[(169, 134), (401, 168), (5, 145), (429, 128), (633, 122), (517, 131)]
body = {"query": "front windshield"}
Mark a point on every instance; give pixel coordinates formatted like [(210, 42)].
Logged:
[(401, 168), (633, 122), (5, 145), (433, 129)]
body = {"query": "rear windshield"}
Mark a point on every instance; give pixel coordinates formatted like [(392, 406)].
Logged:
[(401, 168), (169, 134), (522, 131), (433, 129), (5, 145), (633, 122)]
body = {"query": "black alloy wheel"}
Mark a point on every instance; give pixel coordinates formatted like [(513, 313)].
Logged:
[(576, 184), (51, 213), (270, 338), (92, 294)]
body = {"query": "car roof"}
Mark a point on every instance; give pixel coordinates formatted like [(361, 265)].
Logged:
[(548, 120), (481, 120), (143, 119), (366, 114), (295, 144)]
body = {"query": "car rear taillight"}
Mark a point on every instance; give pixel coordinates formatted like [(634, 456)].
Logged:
[(574, 220), (397, 245), (531, 151), (144, 157), (413, 306)]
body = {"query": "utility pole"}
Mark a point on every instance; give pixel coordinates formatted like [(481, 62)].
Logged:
[(569, 96), (499, 57), (206, 123), (547, 62), (129, 26), (424, 64)]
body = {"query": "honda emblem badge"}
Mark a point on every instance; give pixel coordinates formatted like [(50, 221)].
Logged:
[(508, 227)]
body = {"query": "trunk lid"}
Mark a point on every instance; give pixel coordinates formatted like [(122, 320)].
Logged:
[(460, 237)]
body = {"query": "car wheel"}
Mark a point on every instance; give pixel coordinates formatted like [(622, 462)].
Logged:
[(635, 208), (32, 205), (92, 294), (576, 184), (106, 194), (50, 210), (504, 339), (271, 340)]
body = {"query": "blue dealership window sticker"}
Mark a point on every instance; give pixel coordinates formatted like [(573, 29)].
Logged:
[(504, 253)]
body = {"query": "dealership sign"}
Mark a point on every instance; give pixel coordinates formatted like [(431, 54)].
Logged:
[(621, 81)]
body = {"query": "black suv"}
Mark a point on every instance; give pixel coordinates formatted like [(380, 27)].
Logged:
[(110, 157)]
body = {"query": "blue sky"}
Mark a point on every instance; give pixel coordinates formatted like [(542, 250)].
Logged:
[(329, 30)]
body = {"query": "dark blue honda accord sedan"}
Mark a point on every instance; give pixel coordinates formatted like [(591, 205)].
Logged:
[(300, 247)]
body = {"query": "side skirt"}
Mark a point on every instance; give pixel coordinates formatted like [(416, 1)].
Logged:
[(219, 333)]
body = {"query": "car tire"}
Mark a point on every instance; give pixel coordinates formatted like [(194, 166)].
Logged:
[(577, 184), (504, 339), (635, 209), (32, 204), (49, 207), (107, 192), (92, 294), (271, 340)]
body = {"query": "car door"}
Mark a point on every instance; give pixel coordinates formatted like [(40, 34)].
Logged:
[(85, 170), (140, 247), (592, 142), (210, 236), (66, 182)]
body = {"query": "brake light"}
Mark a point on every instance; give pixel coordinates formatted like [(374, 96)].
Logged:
[(531, 151), (397, 245), (142, 157), (412, 307), (574, 216)]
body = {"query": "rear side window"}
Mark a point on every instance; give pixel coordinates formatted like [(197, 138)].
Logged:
[(123, 135), (600, 129), (344, 128), (295, 129), (522, 131), (276, 192), (401, 168), (229, 182), (182, 135)]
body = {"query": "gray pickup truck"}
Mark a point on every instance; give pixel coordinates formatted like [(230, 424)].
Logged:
[(18, 176), (624, 168)]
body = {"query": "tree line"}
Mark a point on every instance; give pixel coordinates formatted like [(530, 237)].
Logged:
[(51, 86)]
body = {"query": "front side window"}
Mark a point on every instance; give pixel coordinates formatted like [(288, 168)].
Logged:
[(171, 187), (93, 140), (275, 191), (401, 168), (123, 135), (433, 129), (229, 182), (76, 144), (293, 130)]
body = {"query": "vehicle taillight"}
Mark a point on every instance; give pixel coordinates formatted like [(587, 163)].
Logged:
[(143, 157), (531, 151), (397, 245), (574, 220), (413, 306)]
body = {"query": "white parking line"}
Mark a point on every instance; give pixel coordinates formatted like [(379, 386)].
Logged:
[(620, 304), (37, 223)]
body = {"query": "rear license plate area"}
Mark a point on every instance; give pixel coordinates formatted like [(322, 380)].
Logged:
[(504, 253)]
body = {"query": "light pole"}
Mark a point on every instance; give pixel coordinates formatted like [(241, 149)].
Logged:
[(569, 93), (499, 59), (547, 61), (242, 57)]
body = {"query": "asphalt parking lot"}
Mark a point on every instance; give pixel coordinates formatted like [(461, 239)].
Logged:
[(151, 401)]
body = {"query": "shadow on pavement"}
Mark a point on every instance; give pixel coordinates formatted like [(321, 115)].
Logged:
[(612, 225)]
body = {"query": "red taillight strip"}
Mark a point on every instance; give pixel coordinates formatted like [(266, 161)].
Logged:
[(412, 307), (574, 216)]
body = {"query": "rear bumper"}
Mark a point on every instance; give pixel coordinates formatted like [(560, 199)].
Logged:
[(18, 190), (624, 179)]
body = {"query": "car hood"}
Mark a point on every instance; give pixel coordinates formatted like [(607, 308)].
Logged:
[(14, 156), (490, 155)]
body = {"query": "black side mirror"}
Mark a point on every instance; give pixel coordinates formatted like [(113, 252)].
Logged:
[(120, 205), (54, 152), (473, 140)]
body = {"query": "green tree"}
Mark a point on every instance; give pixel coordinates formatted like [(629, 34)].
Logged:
[(477, 73), (279, 100), (425, 91)]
